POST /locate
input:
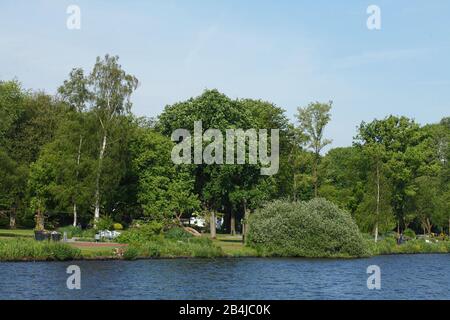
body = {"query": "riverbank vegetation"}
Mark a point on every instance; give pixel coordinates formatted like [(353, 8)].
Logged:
[(82, 158), (21, 249)]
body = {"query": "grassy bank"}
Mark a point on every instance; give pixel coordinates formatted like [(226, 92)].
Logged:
[(17, 246), (389, 246), (18, 249)]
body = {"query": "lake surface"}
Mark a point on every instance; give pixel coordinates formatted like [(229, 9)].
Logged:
[(402, 277)]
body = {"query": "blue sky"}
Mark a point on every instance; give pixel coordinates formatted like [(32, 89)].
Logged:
[(286, 52)]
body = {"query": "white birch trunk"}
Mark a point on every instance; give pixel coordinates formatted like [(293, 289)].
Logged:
[(97, 183)]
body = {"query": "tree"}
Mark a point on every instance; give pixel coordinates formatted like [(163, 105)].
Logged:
[(374, 213), (75, 92), (312, 122), (426, 202), (223, 187), (343, 177), (31, 120), (68, 178), (111, 88), (11, 108), (107, 89), (165, 190), (405, 154)]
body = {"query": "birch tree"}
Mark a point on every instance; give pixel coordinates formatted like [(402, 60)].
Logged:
[(110, 88), (75, 92)]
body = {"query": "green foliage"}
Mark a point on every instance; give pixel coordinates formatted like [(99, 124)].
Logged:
[(165, 191), (52, 160), (177, 233), (316, 228), (145, 232), (409, 233), (104, 223), (117, 226), (131, 253), (71, 231), (28, 249), (193, 247), (390, 246)]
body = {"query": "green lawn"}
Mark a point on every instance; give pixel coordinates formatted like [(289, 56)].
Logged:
[(17, 233), (233, 245)]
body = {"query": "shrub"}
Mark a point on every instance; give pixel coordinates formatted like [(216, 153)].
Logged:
[(317, 228), (177, 233), (117, 226), (104, 223), (71, 231), (409, 233), (151, 228), (131, 253), (145, 232)]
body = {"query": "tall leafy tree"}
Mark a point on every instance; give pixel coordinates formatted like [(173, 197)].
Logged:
[(312, 122), (165, 190), (111, 88), (75, 92)]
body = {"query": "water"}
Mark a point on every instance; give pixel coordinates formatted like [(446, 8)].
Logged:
[(402, 277)]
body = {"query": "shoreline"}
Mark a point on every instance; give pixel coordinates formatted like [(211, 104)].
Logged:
[(113, 258)]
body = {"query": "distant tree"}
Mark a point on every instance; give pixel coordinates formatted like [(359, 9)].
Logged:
[(312, 122)]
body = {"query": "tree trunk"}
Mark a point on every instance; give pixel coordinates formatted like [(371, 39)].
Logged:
[(74, 214), (232, 223), (212, 224), (40, 226), (12, 219), (246, 225), (97, 182), (378, 203), (429, 226), (76, 181)]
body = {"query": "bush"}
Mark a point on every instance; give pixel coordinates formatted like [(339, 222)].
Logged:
[(131, 253), (71, 231), (117, 226), (104, 223), (77, 232), (177, 233), (317, 228), (145, 232), (409, 233), (151, 228)]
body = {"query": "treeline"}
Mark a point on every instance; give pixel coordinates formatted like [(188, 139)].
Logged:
[(81, 156)]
